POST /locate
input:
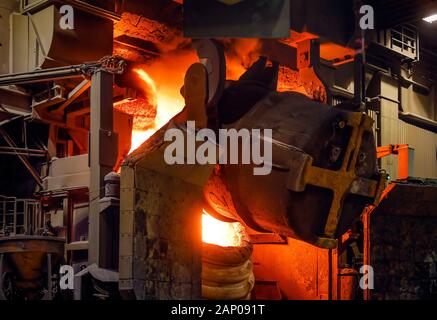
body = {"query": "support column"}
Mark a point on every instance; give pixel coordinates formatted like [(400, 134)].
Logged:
[(53, 137), (103, 147), (2, 294), (49, 295)]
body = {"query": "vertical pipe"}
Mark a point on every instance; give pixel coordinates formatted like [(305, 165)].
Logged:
[(4, 215), (49, 276), (26, 209), (14, 217), (52, 139), (359, 95), (66, 213), (39, 222), (33, 222), (332, 273), (37, 209), (366, 244), (2, 294)]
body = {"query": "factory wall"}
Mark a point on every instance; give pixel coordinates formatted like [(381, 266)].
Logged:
[(403, 256), (396, 131), (6, 8), (160, 236)]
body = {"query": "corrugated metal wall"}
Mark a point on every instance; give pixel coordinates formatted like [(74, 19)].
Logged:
[(395, 131), (425, 149)]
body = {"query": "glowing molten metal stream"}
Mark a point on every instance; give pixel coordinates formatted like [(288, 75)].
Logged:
[(162, 81), (168, 102), (221, 233)]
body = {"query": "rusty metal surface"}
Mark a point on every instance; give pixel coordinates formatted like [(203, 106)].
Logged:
[(343, 181), (26, 261), (324, 165), (308, 59), (299, 270), (27, 253), (31, 243), (161, 206), (410, 199), (227, 272), (348, 279), (160, 236), (400, 231), (401, 242)]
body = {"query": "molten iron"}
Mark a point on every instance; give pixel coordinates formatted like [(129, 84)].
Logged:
[(221, 233)]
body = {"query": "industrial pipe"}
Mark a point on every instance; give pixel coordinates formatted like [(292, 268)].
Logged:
[(43, 75)]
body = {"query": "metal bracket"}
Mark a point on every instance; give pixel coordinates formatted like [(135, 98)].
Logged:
[(308, 60), (341, 182), (196, 94), (211, 55)]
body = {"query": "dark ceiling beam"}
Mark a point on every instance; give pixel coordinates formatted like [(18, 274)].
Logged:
[(165, 11), (391, 13)]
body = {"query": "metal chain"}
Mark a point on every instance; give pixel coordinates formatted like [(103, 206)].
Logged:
[(111, 64)]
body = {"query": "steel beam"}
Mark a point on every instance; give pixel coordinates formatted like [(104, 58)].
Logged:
[(24, 150), (73, 95), (94, 10), (102, 158), (16, 153), (43, 75), (15, 102)]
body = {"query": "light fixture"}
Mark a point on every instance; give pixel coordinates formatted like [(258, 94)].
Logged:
[(431, 18)]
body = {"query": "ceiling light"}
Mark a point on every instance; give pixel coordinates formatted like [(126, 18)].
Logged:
[(431, 19)]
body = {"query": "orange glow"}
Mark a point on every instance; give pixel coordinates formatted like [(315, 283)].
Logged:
[(146, 78), (163, 79), (221, 233), (240, 55), (139, 136)]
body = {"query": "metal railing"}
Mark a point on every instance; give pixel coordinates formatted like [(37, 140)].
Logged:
[(402, 39), (20, 217)]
